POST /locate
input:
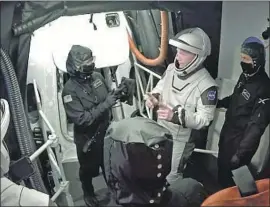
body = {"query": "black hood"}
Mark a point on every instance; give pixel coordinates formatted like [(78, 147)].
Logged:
[(254, 47), (78, 56), (137, 159)]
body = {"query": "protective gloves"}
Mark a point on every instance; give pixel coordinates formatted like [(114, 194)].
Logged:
[(235, 162), (111, 99)]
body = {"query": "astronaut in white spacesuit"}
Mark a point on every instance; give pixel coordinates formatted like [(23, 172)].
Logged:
[(11, 193), (186, 96)]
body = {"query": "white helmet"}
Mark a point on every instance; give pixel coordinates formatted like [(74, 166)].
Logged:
[(193, 40), (4, 119)]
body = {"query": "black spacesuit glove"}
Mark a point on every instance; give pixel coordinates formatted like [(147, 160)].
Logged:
[(219, 104), (235, 162), (126, 90), (111, 99), (224, 103), (175, 118)]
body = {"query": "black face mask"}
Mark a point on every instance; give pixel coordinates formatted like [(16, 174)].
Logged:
[(247, 68), (88, 69)]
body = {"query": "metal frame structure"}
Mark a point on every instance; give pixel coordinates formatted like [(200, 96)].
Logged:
[(52, 141)]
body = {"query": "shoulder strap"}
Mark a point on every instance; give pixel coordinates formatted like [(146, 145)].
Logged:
[(244, 181)]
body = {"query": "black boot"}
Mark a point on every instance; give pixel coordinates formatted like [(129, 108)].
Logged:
[(89, 195), (88, 190), (103, 196), (91, 200)]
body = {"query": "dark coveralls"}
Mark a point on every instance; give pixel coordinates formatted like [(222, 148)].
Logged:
[(90, 115), (87, 103), (246, 119)]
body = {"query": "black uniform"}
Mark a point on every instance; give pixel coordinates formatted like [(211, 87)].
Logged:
[(87, 103), (247, 116), (137, 159)]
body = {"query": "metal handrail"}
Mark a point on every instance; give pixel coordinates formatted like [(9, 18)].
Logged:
[(52, 141)]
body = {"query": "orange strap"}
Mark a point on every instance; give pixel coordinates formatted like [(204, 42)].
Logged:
[(164, 44)]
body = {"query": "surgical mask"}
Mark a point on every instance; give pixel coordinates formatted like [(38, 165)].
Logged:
[(247, 68)]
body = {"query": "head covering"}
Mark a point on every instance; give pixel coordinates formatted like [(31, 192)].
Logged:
[(80, 61), (193, 40), (137, 159), (254, 47)]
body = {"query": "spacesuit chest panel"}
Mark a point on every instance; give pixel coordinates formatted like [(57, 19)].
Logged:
[(184, 92), (187, 97)]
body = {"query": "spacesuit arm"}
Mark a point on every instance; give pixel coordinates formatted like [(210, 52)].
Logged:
[(205, 110), (17, 195), (255, 128), (78, 114)]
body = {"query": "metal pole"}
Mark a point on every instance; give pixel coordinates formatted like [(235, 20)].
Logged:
[(59, 191), (52, 140), (138, 89), (41, 149), (54, 162), (151, 87), (147, 70), (64, 188), (205, 151), (46, 121)]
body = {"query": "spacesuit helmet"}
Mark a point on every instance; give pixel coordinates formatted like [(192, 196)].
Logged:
[(80, 61), (252, 56), (194, 41), (4, 119)]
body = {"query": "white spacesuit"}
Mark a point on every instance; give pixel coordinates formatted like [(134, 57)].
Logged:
[(191, 94), (11, 193)]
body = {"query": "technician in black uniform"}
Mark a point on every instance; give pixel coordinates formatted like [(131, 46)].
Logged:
[(87, 102), (248, 112), (137, 160)]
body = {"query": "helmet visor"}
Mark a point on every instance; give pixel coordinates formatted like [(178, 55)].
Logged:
[(184, 46)]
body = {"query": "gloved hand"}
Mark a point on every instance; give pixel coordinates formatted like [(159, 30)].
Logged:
[(151, 101), (175, 118), (219, 104), (111, 99), (235, 162), (120, 91)]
